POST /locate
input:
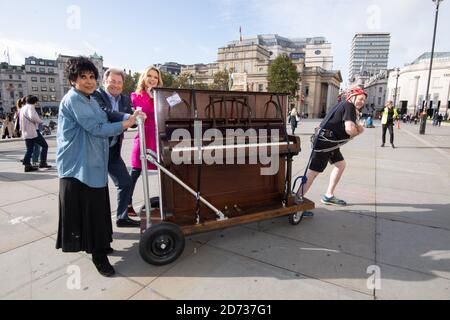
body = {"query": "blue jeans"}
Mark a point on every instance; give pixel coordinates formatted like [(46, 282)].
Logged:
[(135, 174), (36, 152), (119, 174), (30, 143)]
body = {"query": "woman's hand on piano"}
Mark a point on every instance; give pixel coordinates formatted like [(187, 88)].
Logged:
[(131, 122), (139, 113)]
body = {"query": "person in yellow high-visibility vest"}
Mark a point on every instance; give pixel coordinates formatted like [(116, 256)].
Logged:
[(387, 121)]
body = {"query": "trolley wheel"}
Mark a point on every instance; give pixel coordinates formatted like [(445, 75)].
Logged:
[(162, 244), (296, 218)]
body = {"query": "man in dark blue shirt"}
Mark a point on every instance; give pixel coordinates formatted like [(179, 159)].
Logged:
[(112, 100)]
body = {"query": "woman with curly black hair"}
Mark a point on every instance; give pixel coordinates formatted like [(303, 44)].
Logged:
[(82, 161)]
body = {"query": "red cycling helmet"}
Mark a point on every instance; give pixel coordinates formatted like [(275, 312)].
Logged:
[(355, 92)]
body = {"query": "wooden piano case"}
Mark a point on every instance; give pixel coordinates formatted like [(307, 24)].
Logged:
[(235, 185)]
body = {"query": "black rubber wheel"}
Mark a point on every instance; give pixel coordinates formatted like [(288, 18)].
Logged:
[(296, 218), (162, 244)]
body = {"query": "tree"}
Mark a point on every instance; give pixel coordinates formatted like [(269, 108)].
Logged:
[(201, 86), (283, 76), (182, 82), (221, 81), (130, 83), (167, 79)]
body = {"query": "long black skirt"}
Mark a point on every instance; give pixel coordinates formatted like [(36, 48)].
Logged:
[(84, 218)]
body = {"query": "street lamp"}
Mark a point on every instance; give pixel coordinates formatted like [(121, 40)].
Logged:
[(397, 70), (423, 119)]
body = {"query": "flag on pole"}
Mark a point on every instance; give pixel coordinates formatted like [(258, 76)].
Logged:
[(7, 55), (240, 33)]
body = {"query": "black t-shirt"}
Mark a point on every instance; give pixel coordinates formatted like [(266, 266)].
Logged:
[(345, 112)]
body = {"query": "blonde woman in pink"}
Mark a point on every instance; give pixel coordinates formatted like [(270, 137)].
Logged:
[(143, 98)]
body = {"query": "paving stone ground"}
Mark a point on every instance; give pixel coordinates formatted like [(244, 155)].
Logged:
[(397, 225)]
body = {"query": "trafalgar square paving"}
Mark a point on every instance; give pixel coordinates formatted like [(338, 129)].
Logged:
[(391, 241)]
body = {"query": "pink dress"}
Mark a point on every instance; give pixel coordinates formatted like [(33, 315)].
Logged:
[(144, 101)]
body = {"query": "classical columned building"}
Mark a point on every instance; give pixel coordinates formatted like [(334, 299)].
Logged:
[(320, 91), (203, 73), (411, 86), (249, 60)]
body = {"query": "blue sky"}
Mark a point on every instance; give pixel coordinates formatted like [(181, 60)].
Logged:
[(133, 34)]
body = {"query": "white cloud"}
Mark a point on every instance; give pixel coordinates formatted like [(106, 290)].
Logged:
[(91, 47), (235, 13), (410, 23)]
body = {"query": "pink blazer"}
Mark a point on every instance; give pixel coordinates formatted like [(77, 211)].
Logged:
[(144, 101)]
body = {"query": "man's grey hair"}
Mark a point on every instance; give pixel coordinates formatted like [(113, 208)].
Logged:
[(114, 71)]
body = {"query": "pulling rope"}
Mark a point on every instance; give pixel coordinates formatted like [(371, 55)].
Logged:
[(304, 178), (322, 137)]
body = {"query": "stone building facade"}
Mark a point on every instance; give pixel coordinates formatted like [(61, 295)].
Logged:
[(376, 88), (42, 78), (13, 85), (412, 84), (250, 60)]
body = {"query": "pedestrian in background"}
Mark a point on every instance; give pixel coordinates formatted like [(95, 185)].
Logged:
[(37, 149), (435, 119), (293, 119), (7, 127), (439, 120), (389, 115), (19, 104), (29, 121)]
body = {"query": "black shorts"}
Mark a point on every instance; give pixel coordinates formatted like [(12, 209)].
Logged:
[(320, 160)]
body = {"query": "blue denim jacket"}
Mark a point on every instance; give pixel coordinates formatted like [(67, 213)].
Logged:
[(82, 140)]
